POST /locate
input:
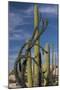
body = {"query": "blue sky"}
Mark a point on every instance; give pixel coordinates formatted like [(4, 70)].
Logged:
[(21, 26)]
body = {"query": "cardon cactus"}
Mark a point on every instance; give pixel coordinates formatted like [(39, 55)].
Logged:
[(46, 66), (29, 68), (52, 61), (36, 48), (55, 64)]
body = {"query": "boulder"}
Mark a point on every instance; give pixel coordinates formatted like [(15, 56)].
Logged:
[(12, 78)]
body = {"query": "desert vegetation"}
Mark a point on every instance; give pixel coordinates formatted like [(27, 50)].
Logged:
[(30, 71)]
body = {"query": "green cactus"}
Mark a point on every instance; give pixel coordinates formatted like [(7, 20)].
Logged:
[(46, 66), (29, 68), (52, 62), (55, 64), (36, 47), (34, 41)]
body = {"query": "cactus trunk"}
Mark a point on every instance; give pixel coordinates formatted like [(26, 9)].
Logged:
[(47, 65), (52, 62), (54, 71), (55, 63), (36, 47), (29, 68)]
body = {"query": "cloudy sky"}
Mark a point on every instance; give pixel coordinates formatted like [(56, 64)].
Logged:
[(21, 26)]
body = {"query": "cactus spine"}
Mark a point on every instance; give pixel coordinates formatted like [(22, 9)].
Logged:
[(36, 48), (29, 68), (47, 65)]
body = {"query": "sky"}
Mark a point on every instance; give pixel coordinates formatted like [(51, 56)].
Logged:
[(21, 27)]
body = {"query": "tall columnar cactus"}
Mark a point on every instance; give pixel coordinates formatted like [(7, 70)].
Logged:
[(40, 74), (52, 61), (46, 66), (29, 68), (36, 47), (55, 64)]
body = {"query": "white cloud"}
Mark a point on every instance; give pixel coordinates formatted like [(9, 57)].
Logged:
[(14, 19), (44, 9), (16, 37), (17, 31), (14, 50), (20, 36), (29, 11), (48, 9)]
